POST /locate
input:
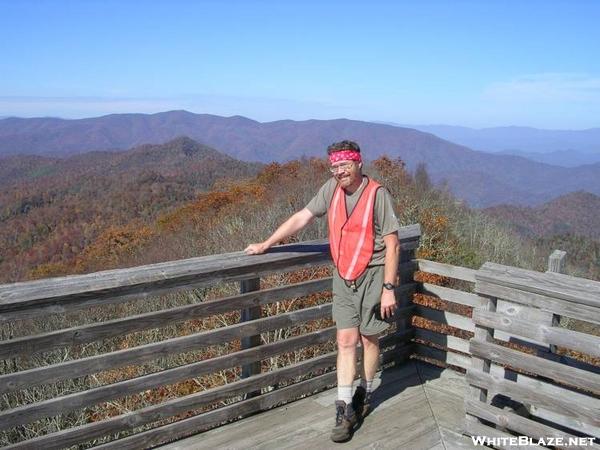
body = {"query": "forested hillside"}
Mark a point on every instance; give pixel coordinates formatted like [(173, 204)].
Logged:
[(52, 211), (182, 199)]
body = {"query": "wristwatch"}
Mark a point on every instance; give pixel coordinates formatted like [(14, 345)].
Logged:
[(389, 286)]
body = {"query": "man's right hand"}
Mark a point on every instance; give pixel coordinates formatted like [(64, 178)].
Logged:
[(256, 249)]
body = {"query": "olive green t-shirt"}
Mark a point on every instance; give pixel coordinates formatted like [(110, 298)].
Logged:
[(385, 221)]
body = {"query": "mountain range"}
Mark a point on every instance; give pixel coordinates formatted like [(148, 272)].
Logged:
[(575, 213), (568, 148), (481, 179)]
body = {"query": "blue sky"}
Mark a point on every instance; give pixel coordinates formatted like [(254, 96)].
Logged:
[(472, 63)]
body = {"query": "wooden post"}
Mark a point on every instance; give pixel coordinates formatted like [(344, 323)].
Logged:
[(556, 261), (481, 364), (556, 264), (248, 314), (408, 248)]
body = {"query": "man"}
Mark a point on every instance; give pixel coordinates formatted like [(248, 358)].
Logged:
[(364, 246)]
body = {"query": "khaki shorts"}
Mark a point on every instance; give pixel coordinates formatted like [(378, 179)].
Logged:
[(355, 309)]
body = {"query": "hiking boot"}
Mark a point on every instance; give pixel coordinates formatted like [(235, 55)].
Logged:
[(345, 419), (361, 402)]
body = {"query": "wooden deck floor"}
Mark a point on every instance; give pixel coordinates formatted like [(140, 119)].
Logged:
[(417, 406)]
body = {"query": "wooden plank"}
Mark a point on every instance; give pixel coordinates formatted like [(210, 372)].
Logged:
[(118, 327), (444, 340), (531, 363), (557, 306), (520, 424), (533, 315), (555, 285), (178, 272), (136, 355), (556, 261), (409, 245), (505, 440), (406, 271), (447, 357), (447, 270), (484, 334), (452, 295), (246, 315), (409, 233), (214, 418), (563, 337), (565, 421), (176, 406), (60, 405), (63, 291), (580, 406), (445, 317)]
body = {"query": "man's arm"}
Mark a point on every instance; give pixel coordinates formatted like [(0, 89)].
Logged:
[(392, 258), (289, 227)]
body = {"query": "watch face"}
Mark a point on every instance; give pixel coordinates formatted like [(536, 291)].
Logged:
[(389, 286)]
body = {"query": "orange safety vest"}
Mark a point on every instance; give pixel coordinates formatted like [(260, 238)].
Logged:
[(352, 239)]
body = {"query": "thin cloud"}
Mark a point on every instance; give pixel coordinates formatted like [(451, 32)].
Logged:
[(546, 87)]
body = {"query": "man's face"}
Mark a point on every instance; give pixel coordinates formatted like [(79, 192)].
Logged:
[(347, 173)]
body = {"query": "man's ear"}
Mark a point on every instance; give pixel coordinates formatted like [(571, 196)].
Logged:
[(360, 165)]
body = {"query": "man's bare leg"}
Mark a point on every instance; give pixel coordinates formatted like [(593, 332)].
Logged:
[(346, 418), (370, 364), (347, 340), (362, 398)]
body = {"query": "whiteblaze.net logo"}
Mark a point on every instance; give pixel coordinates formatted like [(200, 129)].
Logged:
[(554, 441)]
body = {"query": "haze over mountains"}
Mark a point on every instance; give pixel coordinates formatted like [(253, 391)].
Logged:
[(568, 148), (480, 178), (576, 213)]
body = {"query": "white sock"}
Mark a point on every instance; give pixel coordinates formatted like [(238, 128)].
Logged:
[(345, 393), (366, 384)]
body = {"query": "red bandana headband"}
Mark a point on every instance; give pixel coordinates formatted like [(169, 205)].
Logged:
[(345, 155)]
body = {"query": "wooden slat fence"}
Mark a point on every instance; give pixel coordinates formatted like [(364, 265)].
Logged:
[(444, 338), (49, 388), (535, 386)]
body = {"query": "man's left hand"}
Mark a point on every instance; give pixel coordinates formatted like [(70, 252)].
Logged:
[(388, 304)]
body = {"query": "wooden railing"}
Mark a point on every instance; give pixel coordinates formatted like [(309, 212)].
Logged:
[(556, 394), (528, 374), (59, 335)]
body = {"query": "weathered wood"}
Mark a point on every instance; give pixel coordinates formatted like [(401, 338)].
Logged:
[(555, 285), (474, 428), (565, 421), (534, 315), (530, 363), (445, 317), (409, 233), (444, 340), (119, 327), (176, 406), (148, 352), (447, 270), (456, 359), (248, 314), (62, 292), (399, 337), (406, 271), (557, 306), (211, 419), (409, 245), (60, 405), (556, 261), (556, 264), (571, 403), (582, 342), (452, 295), (515, 422), (484, 334)]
